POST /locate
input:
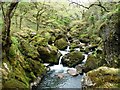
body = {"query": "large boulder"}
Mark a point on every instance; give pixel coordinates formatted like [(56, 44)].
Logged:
[(61, 43), (72, 72), (48, 54), (105, 77), (73, 58), (91, 63), (29, 50), (38, 69)]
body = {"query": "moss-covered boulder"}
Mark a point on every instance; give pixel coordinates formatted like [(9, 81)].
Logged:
[(91, 63), (105, 77), (37, 69), (48, 54), (61, 43), (75, 43), (29, 50), (73, 58), (38, 41)]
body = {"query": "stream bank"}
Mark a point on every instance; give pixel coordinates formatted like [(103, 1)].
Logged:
[(97, 31)]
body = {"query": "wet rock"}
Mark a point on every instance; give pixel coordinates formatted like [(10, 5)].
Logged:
[(86, 81), (61, 43), (105, 77), (79, 68), (72, 72), (84, 40), (60, 75), (35, 83), (73, 58)]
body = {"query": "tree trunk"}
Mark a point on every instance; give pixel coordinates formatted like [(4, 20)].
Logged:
[(6, 28), (37, 22)]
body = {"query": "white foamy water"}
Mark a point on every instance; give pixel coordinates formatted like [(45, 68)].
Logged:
[(60, 60), (85, 59)]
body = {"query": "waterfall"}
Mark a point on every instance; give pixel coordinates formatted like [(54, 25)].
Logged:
[(85, 59), (68, 49), (59, 67), (60, 60), (63, 53)]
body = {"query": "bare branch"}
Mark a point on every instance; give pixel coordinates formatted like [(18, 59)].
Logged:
[(2, 10), (11, 8), (94, 4), (13, 11)]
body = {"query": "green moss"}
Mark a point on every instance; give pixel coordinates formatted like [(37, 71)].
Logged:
[(19, 74), (13, 50), (94, 61), (13, 83), (28, 49), (14, 40), (38, 40), (105, 77), (73, 59), (61, 43), (14, 47), (37, 68), (47, 35), (48, 55), (32, 75)]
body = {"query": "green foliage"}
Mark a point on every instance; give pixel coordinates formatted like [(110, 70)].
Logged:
[(13, 51), (14, 40)]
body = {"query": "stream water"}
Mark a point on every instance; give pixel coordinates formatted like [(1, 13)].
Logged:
[(51, 80)]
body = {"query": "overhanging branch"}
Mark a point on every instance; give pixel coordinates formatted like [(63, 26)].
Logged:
[(94, 4)]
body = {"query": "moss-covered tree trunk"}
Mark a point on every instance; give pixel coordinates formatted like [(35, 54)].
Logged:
[(7, 15), (111, 40)]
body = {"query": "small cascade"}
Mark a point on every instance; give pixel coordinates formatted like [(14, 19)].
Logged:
[(68, 49), (85, 59), (59, 67), (63, 53), (60, 60)]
